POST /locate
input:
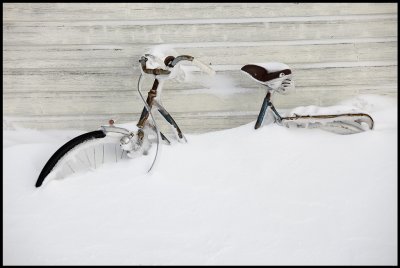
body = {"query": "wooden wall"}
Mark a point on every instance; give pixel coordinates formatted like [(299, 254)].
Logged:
[(75, 65)]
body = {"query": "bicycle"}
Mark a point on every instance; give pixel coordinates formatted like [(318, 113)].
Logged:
[(277, 78), (74, 156), (274, 77)]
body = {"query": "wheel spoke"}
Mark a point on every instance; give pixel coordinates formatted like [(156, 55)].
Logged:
[(94, 157), (115, 150), (103, 153), (87, 157), (70, 167), (83, 162)]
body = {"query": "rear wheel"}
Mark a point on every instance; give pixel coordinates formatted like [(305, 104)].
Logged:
[(337, 123), (85, 152)]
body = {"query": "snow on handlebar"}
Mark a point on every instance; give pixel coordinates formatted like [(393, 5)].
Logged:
[(160, 63), (206, 68)]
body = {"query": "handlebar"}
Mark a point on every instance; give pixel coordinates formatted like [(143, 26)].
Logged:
[(156, 71), (180, 58), (171, 62)]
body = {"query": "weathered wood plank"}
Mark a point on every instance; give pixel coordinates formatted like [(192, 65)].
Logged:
[(39, 34), (291, 54), (151, 11), (113, 80), (78, 57), (78, 103), (189, 123)]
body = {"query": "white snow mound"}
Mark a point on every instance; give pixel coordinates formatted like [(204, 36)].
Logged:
[(272, 196)]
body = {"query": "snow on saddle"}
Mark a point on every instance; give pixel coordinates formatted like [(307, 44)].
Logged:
[(275, 75)]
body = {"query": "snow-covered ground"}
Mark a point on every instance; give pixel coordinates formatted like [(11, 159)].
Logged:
[(238, 196)]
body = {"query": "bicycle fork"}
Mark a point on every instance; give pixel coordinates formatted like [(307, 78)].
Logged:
[(151, 101)]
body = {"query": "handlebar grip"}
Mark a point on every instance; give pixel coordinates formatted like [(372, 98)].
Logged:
[(206, 68), (180, 58)]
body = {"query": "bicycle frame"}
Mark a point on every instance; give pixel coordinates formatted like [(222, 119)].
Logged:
[(267, 103), (358, 117), (152, 102)]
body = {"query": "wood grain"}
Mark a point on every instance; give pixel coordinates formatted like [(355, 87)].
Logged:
[(74, 65), (151, 11)]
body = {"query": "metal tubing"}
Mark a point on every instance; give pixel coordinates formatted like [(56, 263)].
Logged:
[(263, 110)]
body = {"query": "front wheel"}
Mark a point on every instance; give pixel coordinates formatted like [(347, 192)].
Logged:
[(86, 151)]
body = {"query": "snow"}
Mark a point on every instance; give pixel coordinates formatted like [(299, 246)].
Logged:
[(238, 196)]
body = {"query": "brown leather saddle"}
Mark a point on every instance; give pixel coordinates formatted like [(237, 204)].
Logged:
[(264, 73)]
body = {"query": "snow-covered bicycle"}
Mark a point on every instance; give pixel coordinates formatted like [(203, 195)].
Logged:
[(112, 143), (277, 78), (89, 150)]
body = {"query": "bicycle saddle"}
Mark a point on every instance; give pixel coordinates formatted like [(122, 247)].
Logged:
[(266, 72)]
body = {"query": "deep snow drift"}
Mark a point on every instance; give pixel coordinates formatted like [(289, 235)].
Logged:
[(238, 196)]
